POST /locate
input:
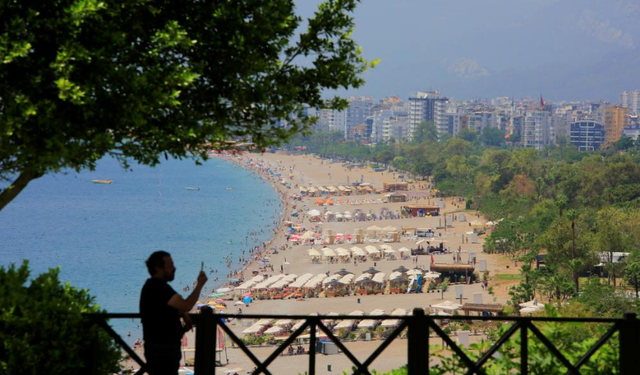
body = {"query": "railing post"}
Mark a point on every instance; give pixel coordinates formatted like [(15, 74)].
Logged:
[(524, 348), (629, 344), (312, 347), (206, 335), (418, 343)]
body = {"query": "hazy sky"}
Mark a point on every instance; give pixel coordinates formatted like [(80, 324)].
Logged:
[(562, 49)]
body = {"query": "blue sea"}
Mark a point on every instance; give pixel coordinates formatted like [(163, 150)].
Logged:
[(100, 235)]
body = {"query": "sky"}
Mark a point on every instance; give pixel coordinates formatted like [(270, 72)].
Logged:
[(561, 49)]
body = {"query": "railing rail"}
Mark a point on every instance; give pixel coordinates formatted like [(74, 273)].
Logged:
[(418, 326)]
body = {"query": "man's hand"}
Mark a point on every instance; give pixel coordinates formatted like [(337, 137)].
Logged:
[(188, 324), (202, 278)]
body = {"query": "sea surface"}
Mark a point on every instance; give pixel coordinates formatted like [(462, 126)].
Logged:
[(100, 235)]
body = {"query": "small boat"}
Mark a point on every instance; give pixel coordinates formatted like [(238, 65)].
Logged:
[(192, 188), (101, 181)]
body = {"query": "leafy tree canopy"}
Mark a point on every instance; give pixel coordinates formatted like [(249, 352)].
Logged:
[(426, 131), (492, 137), (140, 79)]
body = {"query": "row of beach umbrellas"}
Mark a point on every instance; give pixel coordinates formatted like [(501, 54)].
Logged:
[(357, 251)]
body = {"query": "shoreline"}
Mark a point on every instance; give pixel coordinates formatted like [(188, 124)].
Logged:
[(281, 191)]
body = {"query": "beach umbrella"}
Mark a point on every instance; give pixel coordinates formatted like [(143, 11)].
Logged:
[(343, 272), (342, 252), (220, 300), (365, 280), (223, 290), (401, 269), (313, 213), (390, 229), (246, 300), (414, 272), (248, 294), (374, 228), (333, 284), (431, 275), (283, 322), (273, 330), (404, 250), (307, 235), (447, 305), (371, 249), (371, 271), (216, 295), (328, 252), (357, 251), (239, 303), (220, 307), (314, 253)]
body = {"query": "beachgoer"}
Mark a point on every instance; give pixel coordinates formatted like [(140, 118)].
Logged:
[(161, 309)]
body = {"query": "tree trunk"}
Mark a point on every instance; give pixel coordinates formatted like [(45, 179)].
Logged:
[(12, 191), (573, 254)]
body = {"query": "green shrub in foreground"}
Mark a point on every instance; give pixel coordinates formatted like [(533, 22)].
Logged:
[(43, 329)]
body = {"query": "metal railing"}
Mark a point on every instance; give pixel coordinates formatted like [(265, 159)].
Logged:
[(418, 328)]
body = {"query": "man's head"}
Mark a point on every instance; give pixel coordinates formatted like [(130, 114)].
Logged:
[(160, 265)]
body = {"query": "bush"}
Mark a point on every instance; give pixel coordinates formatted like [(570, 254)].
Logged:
[(43, 329)]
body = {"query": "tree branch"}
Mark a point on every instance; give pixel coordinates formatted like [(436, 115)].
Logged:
[(12, 191)]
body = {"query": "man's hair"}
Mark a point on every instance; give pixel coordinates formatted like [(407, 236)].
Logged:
[(156, 260)]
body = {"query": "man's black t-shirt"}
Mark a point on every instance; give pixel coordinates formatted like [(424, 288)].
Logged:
[(160, 322)]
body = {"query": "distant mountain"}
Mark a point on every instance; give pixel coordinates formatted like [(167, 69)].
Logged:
[(565, 49)]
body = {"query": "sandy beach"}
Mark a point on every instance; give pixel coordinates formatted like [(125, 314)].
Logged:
[(308, 170)]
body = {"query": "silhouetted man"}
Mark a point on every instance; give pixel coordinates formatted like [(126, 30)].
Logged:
[(161, 309)]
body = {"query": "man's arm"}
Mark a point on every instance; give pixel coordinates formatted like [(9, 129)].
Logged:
[(185, 305)]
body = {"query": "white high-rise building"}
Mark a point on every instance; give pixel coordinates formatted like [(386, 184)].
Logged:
[(332, 120), (536, 132), (422, 107), (379, 117), (631, 100), (441, 120), (396, 128)]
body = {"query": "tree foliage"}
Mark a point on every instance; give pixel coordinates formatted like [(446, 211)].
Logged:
[(43, 329), (138, 79)]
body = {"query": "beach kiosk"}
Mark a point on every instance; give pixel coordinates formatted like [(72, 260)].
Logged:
[(396, 197), (455, 271), (392, 186)]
